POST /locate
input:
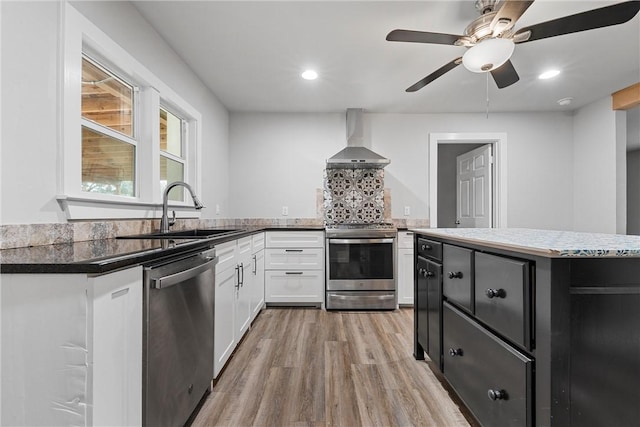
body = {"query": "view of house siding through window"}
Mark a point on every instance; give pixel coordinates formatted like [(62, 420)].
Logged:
[(171, 153), (108, 144)]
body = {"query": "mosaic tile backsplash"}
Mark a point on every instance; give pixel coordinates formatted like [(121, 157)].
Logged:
[(354, 196)]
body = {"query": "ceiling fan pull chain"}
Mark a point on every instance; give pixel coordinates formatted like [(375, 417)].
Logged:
[(487, 74)]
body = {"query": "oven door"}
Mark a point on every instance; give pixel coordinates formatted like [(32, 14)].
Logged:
[(361, 264)]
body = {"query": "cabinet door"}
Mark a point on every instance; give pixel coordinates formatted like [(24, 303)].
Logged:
[(405, 276), (117, 348), (257, 284), (243, 299), (224, 341), (294, 286), (458, 276)]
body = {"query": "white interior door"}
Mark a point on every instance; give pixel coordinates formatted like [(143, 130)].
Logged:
[(474, 188)]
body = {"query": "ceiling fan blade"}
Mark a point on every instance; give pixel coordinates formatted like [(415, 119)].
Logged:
[(421, 37), (597, 18), (508, 14), (505, 75), (431, 77)]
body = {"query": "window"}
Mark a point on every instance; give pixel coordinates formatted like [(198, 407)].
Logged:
[(108, 140), (172, 163), (125, 134)]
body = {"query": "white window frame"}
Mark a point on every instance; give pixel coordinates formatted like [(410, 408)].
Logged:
[(81, 36)]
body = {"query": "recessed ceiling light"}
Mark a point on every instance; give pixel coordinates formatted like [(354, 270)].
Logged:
[(564, 101), (309, 75), (549, 74)]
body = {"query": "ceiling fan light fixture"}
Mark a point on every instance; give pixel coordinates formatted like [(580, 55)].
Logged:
[(488, 55)]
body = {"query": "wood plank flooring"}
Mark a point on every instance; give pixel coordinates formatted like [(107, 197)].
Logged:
[(310, 367)]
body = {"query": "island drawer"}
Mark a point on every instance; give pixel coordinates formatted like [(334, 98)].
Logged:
[(429, 249), (457, 276), (491, 377), (503, 296)]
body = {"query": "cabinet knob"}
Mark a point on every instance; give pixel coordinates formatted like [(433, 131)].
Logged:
[(453, 352), (426, 247), (495, 293), (455, 275), (425, 273), (497, 394)]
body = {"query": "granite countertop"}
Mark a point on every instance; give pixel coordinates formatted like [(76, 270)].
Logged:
[(103, 256), (548, 243)]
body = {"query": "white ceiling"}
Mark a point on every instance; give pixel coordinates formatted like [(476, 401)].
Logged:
[(251, 54)]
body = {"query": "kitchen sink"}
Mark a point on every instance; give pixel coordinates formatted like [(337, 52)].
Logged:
[(184, 234)]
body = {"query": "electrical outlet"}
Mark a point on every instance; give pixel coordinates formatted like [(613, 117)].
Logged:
[(285, 210), (217, 209), (407, 210)]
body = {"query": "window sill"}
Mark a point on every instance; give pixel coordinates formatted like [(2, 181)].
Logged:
[(83, 208)]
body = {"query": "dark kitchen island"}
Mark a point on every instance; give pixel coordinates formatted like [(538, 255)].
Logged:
[(532, 327)]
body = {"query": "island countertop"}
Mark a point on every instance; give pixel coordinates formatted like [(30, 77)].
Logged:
[(547, 243)]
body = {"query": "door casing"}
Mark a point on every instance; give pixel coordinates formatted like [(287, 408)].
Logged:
[(499, 143)]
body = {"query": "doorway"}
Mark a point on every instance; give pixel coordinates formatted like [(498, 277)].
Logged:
[(440, 196)]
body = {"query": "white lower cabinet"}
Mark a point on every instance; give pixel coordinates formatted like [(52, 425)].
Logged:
[(238, 297), (294, 267), (405, 268), (72, 349), (257, 274)]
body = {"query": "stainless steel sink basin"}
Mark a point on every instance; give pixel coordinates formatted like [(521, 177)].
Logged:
[(184, 234)]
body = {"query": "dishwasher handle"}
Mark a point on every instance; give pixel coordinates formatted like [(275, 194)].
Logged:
[(174, 279)]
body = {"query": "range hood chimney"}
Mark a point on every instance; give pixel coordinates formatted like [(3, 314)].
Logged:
[(355, 155)]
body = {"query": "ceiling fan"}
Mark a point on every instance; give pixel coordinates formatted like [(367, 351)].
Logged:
[(491, 38)]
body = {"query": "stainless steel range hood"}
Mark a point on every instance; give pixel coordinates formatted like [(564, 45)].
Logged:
[(355, 155)]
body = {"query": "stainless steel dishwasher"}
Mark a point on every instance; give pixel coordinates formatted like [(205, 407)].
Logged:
[(178, 337)]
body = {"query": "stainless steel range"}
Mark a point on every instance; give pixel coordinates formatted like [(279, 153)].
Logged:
[(361, 267)]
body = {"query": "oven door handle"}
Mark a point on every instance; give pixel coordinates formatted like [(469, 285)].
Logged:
[(174, 279), (359, 241)]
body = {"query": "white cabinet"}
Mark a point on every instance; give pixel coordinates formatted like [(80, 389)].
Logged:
[(405, 267), (294, 267), (72, 349), (257, 274), (234, 290)]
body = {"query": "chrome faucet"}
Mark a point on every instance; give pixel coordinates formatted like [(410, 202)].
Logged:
[(164, 221)]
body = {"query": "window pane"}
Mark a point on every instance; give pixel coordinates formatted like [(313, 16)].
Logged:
[(170, 133), (171, 171), (107, 164), (106, 99)]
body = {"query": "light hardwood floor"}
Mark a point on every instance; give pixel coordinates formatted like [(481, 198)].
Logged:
[(309, 367)]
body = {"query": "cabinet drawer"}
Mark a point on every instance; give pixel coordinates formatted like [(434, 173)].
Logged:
[(226, 253), (294, 259), (294, 286), (405, 240), (257, 242), (295, 239), (502, 296), (457, 276), (492, 378), (429, 249)]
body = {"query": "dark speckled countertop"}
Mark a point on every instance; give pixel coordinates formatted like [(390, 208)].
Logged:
[(103, 256)]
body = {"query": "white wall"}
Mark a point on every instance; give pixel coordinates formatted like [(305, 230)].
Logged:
[(278, 160), (269, 161), (30, 83), (596, 168)]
